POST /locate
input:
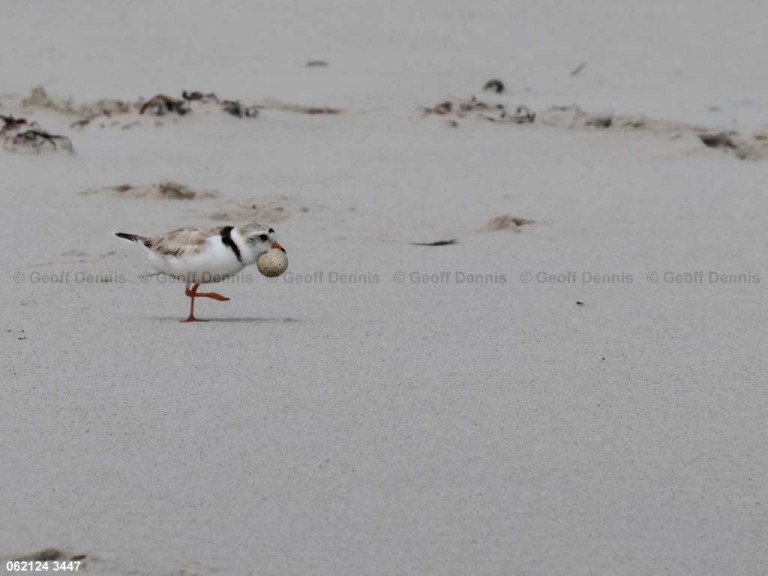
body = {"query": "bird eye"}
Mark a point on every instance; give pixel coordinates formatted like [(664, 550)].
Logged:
[(271, 231), (263, 237)]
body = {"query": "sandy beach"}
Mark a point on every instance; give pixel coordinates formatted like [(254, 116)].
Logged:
[(571, 382)]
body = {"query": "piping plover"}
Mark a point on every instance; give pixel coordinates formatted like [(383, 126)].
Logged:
[(205, 255)]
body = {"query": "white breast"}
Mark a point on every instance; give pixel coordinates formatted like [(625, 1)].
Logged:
[(214, 263)]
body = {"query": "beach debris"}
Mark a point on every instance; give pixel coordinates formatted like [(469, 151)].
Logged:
[(511, 223), (753, 147), (474, 108), (35, 139), (190, 102), (49, 555), (167, 190), (450, 242), (272, 104), (46, 554), (32, 139), (10, 123), (600, 121), (574, 117), (233, 107), (83, 122), (717, 140), (494, 85), (576, 71), (237, 110), (440, 109), (569, 117), (161, 105), (197, 96), (316, 64), (579, 303), (636, 122), (175, 191), (101, 109), (463, 108), (39, 98), (522, 115), (316, 110), (742, 146)]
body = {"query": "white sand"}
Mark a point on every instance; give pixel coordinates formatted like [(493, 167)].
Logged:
[(391, 428)]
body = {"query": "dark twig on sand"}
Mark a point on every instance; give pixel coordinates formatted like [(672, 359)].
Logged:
[(436, 243), (576, 71)]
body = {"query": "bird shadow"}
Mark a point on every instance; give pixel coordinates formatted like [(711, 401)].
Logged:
[(216, 320)]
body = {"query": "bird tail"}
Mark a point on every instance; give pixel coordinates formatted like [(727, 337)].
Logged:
[(132, 238)]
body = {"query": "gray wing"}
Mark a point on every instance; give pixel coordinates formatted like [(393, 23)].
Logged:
[(182, 241)]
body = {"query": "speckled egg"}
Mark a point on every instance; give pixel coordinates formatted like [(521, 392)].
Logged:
[(272, 263)]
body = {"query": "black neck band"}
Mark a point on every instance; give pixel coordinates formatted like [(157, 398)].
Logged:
[(226, 238)]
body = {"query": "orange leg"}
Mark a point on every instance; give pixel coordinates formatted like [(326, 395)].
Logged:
[(192, 294), (213, 295)]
